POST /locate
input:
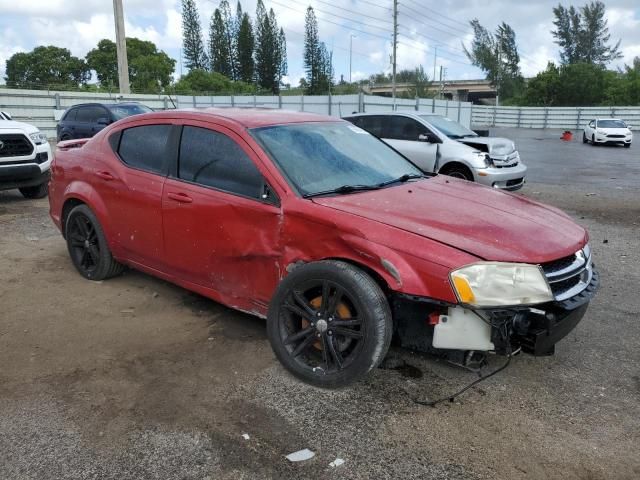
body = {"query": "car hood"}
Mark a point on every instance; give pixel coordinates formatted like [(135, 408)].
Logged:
[(614, 131), (13, 125), (495, 145), (484, 222)]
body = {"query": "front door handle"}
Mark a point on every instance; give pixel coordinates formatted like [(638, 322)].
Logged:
[(105, 176), (180, 197)]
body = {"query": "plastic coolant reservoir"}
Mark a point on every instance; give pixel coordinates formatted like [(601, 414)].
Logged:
[(462, 329)]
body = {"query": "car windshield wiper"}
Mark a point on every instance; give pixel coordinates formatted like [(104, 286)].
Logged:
[(404, 178), (342, 189)]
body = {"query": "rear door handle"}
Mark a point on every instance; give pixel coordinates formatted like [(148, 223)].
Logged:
[(180, 197), (105, 176)]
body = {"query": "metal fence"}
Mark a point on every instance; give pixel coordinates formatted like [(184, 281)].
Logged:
[(567, 118), (44, 108)]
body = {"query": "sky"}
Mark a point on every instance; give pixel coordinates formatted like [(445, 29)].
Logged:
[(424, 27)]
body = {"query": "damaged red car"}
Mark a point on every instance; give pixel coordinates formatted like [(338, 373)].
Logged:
[(334, 237)]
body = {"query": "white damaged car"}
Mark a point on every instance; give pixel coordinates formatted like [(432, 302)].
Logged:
[(25, 158), (602, 131)]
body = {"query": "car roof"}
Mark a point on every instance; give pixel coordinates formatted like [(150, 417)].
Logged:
[(246, 117), (393, 114), (92, 104), (609, 118)]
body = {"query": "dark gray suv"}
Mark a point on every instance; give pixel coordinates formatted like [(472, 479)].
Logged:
[(87, 119)]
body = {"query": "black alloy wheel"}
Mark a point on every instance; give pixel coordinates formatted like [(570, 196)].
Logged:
[(88, 247), (329, 323)]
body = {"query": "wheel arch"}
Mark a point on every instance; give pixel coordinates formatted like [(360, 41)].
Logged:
[(447, 167), (78, 193)]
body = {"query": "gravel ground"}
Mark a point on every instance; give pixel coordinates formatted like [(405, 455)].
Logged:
[(137, 378)]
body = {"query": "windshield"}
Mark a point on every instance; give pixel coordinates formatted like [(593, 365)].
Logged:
[(450, 128), (122, 111), (611, 124), (321, 157)]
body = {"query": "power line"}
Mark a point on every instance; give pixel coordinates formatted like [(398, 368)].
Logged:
[(384, 37), (439, 54), (450, 19), (373, 4), (388, 22)]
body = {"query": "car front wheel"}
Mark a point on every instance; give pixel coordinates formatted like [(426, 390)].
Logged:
[(593, 140), (39, 191), (584, 138), (88, 247), (627, 145), (329, 323)]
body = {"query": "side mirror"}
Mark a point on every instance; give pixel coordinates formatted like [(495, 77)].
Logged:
[(428, 137), (103, 121)]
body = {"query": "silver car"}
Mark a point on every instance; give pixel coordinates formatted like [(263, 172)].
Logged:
[(437, 144)]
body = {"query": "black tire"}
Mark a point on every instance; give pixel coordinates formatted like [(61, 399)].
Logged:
[(627, 145), (88, 247), (329, 323), (39, 191), (458, 171), (65, 137), (584, 138), (593, 140)]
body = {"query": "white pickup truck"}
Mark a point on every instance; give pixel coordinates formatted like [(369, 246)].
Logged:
[(25, 158)]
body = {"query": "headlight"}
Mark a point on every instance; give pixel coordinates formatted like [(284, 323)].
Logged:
[(485, 159), (38, 138), (486, 284)]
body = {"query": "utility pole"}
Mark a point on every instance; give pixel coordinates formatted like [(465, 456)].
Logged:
[(435, 59), (395, 50), (351, 35), (121, 47)]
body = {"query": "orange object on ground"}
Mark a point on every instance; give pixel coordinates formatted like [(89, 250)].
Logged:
[(567, 136)]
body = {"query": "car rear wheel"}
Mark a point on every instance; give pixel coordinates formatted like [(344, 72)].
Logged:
[(39, 191), (329, 323), (88, 247)]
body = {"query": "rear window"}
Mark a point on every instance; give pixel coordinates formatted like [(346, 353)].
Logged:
[(70, 116), (145, 147)]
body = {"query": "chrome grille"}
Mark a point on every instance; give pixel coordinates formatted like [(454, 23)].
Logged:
[(570, 275), (15, 145)]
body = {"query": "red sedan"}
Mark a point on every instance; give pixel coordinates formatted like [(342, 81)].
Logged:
[(334, 237)]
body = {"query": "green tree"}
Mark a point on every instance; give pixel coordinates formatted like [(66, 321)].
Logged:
[(317, 60), (497, 55), (282, 54), (205, 82), (571, 85), (46, 66), (192, 44), (268, 50), (150, 69), (583, 35), (219, 52), (245, 50), (625, 90)]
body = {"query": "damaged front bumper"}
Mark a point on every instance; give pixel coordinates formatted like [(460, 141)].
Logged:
[(437, 327)]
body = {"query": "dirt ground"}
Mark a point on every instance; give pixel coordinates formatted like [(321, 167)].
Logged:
[(136, 378)]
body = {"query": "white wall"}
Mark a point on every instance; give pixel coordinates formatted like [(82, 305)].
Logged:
[(44, 108)]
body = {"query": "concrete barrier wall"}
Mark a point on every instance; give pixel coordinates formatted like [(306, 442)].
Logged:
[(44, 108), (567, 118)]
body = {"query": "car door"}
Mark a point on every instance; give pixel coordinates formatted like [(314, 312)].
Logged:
[(403, 134), (130, 186), (221, 227)]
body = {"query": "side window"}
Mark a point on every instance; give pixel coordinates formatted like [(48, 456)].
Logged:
[(373, 124), (145, 147), (214, 160), (70, 116), (90, 114), (404, 128)]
